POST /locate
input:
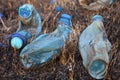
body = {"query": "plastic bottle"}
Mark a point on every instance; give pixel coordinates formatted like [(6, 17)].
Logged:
[(29, 26), (46, 46), (94, 47)]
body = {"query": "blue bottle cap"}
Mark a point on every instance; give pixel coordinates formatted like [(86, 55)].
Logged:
[(97, 17), (25, 11), (16, 42), (65, 18), (23, 38), (58, 8)]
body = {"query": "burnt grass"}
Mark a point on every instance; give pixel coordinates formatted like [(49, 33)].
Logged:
[(68, 65)]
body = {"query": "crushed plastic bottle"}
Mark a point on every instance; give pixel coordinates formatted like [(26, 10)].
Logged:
[(46, 46), (94, 47), (96, 4), (29, 26)]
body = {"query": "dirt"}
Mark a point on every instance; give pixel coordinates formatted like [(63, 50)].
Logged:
[(68, 65)]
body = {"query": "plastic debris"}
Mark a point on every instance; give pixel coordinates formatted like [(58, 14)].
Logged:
[(94, 47), (46, 46), (30, 20), (29, 26), (96, 4), (58, 8)]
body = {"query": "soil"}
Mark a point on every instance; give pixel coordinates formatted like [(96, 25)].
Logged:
[(68, 65)]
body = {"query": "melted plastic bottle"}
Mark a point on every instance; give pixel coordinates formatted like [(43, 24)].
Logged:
[(29, 26), (46, 46), (94, 47)]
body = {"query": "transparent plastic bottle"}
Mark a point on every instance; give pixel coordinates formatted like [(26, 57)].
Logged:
[(29, 26), (46, 46), (94, 47)]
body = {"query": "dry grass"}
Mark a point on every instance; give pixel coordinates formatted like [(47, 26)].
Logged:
[(67, 66)]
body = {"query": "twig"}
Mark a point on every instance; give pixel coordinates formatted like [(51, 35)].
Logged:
[(47, 17), (6, 28)]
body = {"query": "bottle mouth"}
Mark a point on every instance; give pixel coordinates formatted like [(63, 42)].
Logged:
[(25, 11), (26, 61), (97, 69)]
